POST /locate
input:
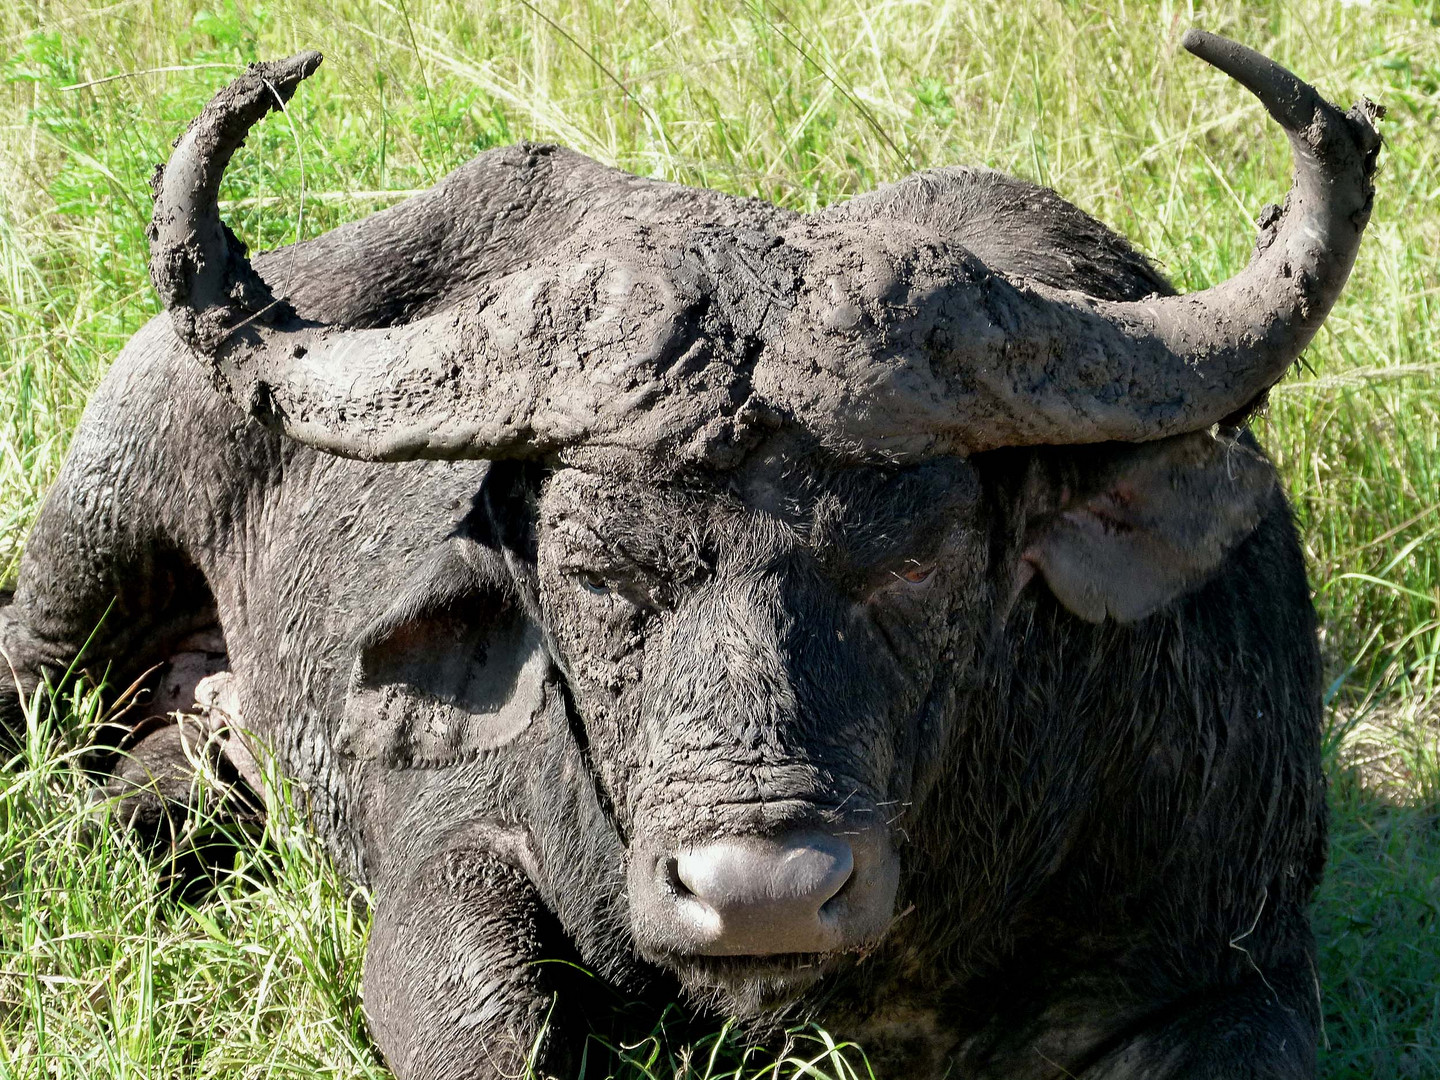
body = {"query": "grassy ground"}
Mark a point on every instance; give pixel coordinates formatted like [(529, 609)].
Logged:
[(801, 103)]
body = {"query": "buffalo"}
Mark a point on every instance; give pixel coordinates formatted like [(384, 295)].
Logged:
[(882, 615)]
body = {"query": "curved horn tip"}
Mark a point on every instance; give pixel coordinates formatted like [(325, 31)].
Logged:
[(191, 252), (288, 73), (1290, 100), (1293, 103), (265, 86)]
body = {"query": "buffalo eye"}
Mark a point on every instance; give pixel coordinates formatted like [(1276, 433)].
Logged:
[(593, 583), (916, 573)]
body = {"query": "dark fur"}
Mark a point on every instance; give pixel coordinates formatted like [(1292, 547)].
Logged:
[(1108, 832)]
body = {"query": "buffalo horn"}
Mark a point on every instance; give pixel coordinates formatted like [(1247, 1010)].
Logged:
[(1032, 365), (440, 386)]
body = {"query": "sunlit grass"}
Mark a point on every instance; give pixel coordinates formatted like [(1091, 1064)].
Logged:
[(803, 103)]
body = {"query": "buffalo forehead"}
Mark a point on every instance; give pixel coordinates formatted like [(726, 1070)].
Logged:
[(823, 326)]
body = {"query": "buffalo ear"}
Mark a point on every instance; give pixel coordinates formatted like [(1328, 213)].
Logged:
[(1147, 523), (453, 668)]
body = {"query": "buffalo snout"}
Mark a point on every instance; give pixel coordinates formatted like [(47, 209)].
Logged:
[(804, 891)]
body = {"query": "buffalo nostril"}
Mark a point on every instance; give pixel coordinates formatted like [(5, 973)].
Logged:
[(671, 873), (838, 896)]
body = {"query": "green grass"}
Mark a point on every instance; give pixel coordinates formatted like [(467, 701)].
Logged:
[(803, 103)]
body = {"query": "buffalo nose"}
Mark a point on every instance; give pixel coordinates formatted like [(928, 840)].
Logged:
[(755, 896)]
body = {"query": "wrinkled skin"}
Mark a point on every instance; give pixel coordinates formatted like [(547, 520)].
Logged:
[(1039, 725)]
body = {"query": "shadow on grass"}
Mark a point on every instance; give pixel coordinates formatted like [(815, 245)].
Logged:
[(1377, 920)]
